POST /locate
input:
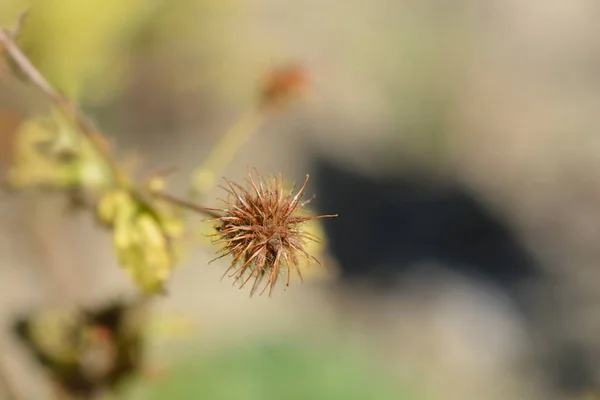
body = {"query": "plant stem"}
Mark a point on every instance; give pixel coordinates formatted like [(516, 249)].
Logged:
[(69, 109), (186, 204), (205, 177)]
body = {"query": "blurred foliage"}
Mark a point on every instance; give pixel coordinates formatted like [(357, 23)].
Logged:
[(81, 46), (287, 370), (86, 49), (88, 351), (144, 236), (49, 153)]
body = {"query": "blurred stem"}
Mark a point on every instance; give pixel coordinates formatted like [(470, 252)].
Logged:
[(223, 153), (187, 204), (10, 389), (68, 108)]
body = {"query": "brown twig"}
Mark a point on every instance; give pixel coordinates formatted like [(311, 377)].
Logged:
[(68, 108), (186, 204)]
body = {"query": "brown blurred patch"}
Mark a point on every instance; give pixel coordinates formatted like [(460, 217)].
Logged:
[(2, 63), (9, 126), (284, 83)]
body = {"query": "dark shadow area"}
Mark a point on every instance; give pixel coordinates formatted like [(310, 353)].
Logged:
[(387, 226)]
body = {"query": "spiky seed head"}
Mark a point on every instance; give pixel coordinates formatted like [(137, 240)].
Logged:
[(262, 230)]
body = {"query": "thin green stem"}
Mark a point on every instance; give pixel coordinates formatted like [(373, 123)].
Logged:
[(223, 153)]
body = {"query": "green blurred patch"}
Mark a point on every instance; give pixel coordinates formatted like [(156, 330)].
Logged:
[(287, 370), (89, 50), (48, 153), (144, 236)]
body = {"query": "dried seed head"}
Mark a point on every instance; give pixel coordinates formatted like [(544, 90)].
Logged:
[(262, 230)]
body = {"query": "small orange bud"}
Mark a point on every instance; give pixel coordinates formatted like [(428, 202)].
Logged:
[(283, 83)]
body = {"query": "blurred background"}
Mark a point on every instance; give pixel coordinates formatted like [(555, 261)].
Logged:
[(458, 140)]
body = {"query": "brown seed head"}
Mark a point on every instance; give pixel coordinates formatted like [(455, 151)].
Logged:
[(262, 230)]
